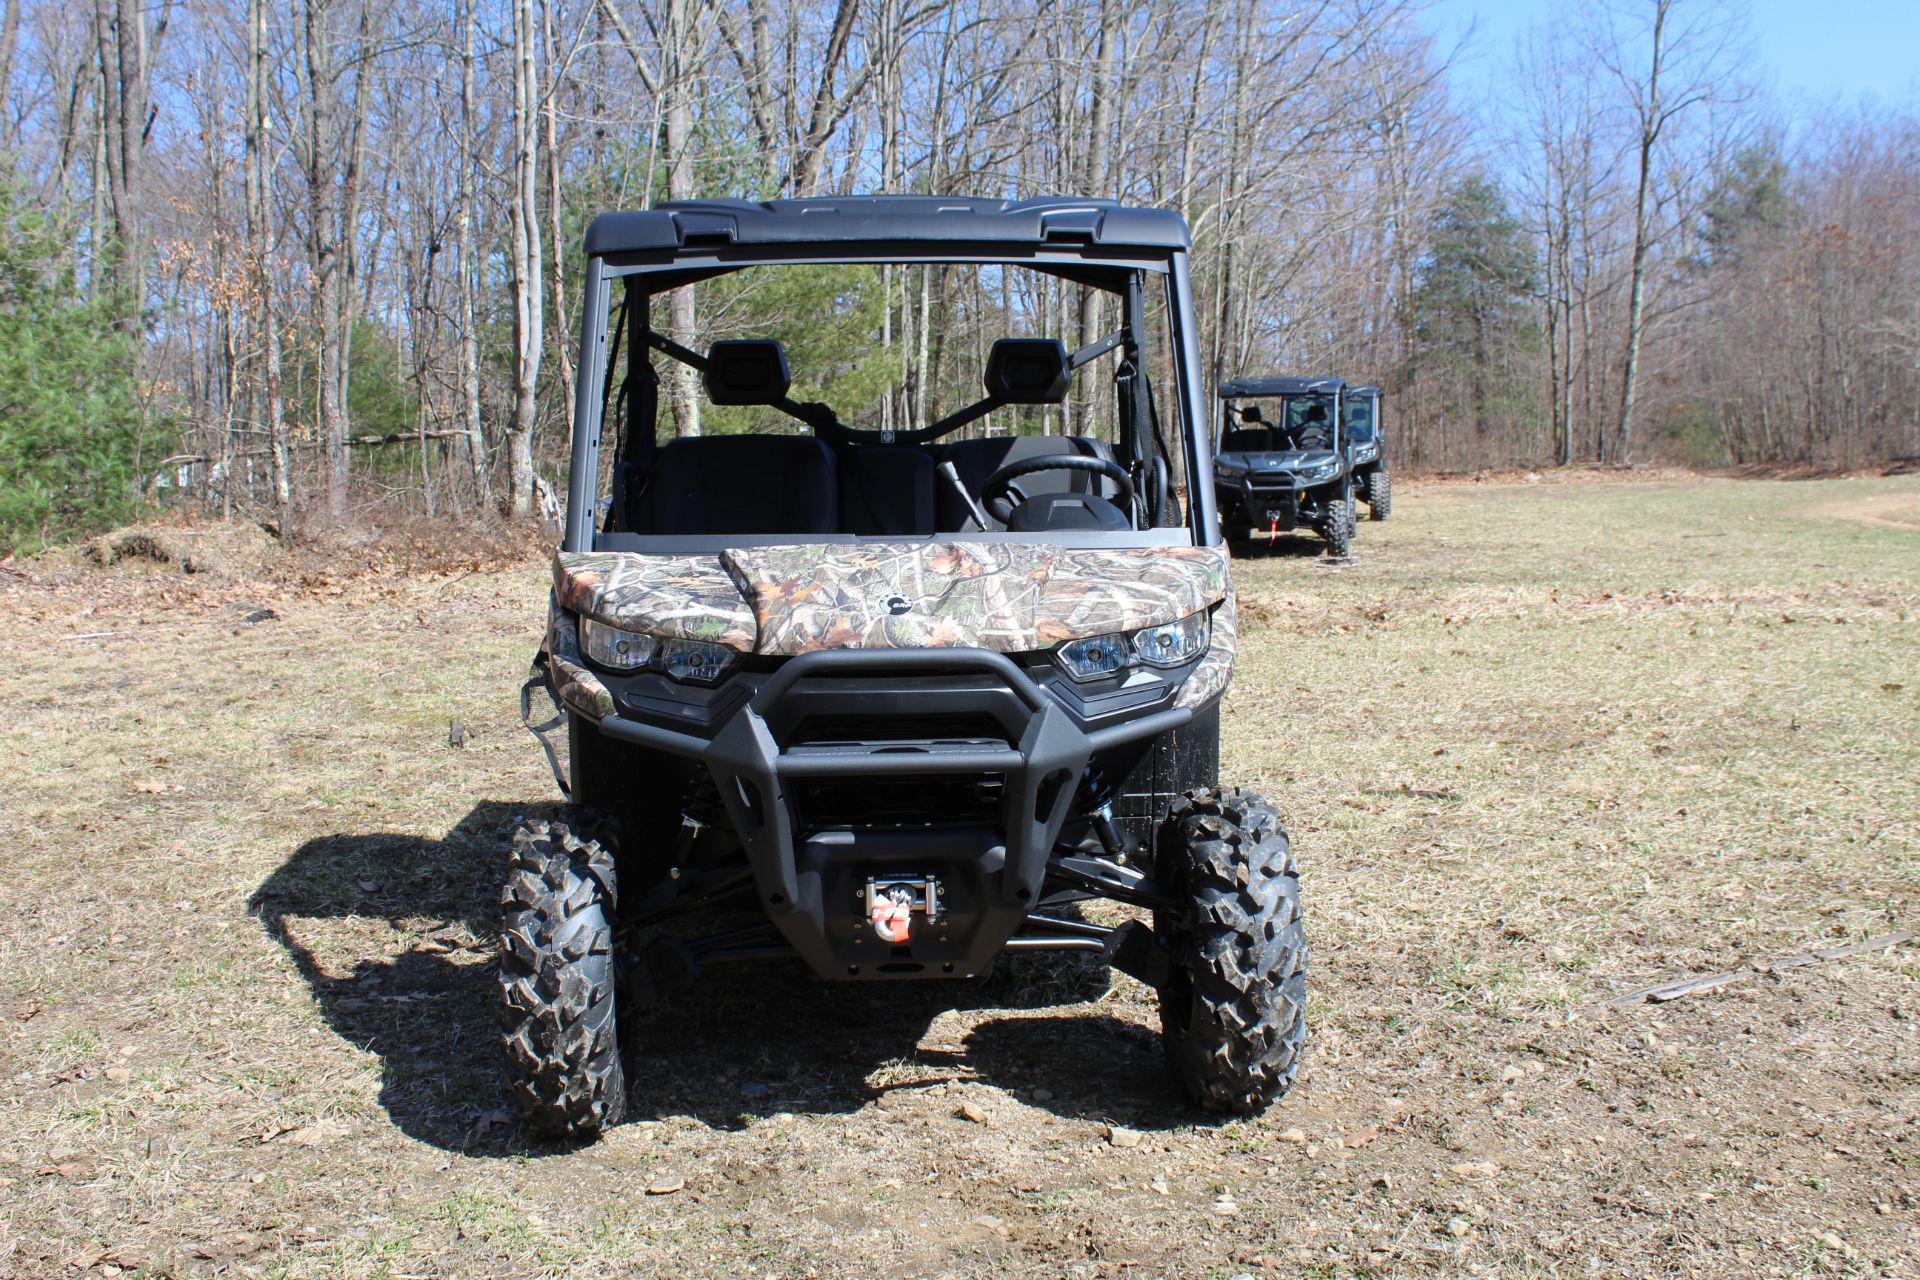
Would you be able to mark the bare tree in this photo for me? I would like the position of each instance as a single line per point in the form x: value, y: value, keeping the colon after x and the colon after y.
x: 524, y: 206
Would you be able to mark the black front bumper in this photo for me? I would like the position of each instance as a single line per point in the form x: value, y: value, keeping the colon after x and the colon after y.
x: 976, y: 804
x: 1274, y: 500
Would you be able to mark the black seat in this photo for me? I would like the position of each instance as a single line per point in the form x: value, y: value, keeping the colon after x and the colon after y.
x: 744, y: 484
x: 1245, y: 440
x: 887, y: 492
x: 977, y: 460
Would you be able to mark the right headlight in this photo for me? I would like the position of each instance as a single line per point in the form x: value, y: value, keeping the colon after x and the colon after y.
x: 1170, y: 644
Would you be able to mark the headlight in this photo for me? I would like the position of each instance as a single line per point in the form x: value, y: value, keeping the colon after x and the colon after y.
x: 613, y: 648
x: 1170, y: 644
x: 1092, y: 658
x: 1320, y: 471
x: 694, y: 660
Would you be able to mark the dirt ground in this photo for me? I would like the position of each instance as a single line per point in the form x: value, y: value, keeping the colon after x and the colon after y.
x: 1539, y: 746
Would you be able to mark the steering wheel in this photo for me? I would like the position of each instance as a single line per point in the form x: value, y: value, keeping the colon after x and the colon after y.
x: 1001, y: 492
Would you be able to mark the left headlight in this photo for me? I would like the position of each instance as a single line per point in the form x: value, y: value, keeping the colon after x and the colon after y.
x: 1320, y: 471
x: 1171, y: 644
x: 694, y: 661
x: 614, y: 648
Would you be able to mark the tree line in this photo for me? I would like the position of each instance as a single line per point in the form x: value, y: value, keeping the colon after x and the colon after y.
x: 305, y: 259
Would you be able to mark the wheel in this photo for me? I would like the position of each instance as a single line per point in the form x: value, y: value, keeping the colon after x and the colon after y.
x: 1233, y: 1012
x: 1380, y: 495
x: 1339, y: 530
x: 557, y: 988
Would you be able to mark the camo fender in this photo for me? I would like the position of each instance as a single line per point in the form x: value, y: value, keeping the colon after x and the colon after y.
x: 1210, y: 679
x: 576, y: 686
x: 676, y: 597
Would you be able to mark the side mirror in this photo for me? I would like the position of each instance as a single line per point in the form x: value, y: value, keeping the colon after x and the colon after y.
x: 747, y: 371
x: 1028, y: 371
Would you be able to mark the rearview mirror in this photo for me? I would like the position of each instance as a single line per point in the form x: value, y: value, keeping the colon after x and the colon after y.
x: 1028, y: 371
x: 747, y: 371
x: 1250, y: 414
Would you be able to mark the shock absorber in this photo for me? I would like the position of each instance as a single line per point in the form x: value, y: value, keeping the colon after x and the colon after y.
x: 1099, y: 793
x: 699, y: 809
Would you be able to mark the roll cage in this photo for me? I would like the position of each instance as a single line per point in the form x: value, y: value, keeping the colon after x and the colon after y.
x: 1099, y: 244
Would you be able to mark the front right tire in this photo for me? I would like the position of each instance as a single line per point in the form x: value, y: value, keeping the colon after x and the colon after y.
x: 557, y: 983
x: 1233, y: 1011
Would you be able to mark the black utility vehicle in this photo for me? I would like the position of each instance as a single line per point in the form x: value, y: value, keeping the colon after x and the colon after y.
x: 903, y: 666
x: 1365, y: 433
x: 1283, y: 461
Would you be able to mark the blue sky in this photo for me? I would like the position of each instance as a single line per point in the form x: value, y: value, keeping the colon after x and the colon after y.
x: 1812, y: 53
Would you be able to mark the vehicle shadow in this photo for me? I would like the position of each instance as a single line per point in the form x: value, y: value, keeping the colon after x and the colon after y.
x: 1296, y: 545
x: 741, y: 1041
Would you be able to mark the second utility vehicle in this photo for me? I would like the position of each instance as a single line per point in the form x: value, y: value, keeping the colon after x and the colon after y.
x: 1288, y: 470
x: 915, y: 649
x: 1365, y: 435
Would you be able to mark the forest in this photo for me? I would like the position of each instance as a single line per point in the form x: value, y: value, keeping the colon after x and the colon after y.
x: 319, y: 259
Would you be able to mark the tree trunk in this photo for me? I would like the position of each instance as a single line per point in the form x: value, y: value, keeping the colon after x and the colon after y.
x: 120, y: 39
x: 266, y: 338
x: 1650, y: 120
x: 324, y: 237
x: 528, y: 317
x: 678, y: 88
x: 467, y: 268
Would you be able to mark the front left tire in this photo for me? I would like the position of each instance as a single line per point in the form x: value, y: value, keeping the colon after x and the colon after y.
x: 1233, y: 1011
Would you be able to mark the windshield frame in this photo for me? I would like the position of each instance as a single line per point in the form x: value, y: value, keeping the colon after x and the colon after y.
x: 1179, y: 412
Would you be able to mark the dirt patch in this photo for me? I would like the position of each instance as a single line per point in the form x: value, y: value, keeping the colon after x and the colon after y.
x: 1887, y: 510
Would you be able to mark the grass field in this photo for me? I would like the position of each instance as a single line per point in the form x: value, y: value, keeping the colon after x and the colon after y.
x: 1543, y: 744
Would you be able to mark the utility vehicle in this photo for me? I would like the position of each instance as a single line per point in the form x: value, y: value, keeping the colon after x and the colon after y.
x: 1285, y: 464
x: 1365, y: 433
x: 902, y: 667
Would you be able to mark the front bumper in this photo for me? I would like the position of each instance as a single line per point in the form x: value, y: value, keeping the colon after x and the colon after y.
x: 1273, y: 499
x: 827, y: 792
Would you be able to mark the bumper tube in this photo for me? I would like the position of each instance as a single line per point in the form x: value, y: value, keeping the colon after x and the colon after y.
x: 812, y: 883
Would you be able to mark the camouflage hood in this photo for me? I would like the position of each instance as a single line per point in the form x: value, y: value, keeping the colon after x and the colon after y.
x: 1008, y: 597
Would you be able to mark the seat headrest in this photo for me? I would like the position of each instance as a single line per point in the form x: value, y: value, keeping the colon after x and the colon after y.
x: 747, y: 371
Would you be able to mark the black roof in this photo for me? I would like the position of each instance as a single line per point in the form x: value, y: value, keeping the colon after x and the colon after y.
x: 1247, y: 388
x: 1363, y: 391
x: 880, y: 219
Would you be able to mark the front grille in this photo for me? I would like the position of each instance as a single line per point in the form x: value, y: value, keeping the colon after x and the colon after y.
x: 865, y: 803
x: 954, y: 726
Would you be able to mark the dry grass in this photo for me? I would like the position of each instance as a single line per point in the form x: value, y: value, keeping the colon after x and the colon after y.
x: 1542, y: 744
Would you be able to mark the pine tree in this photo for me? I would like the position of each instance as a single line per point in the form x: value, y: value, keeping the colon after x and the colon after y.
x: 73, y: 431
